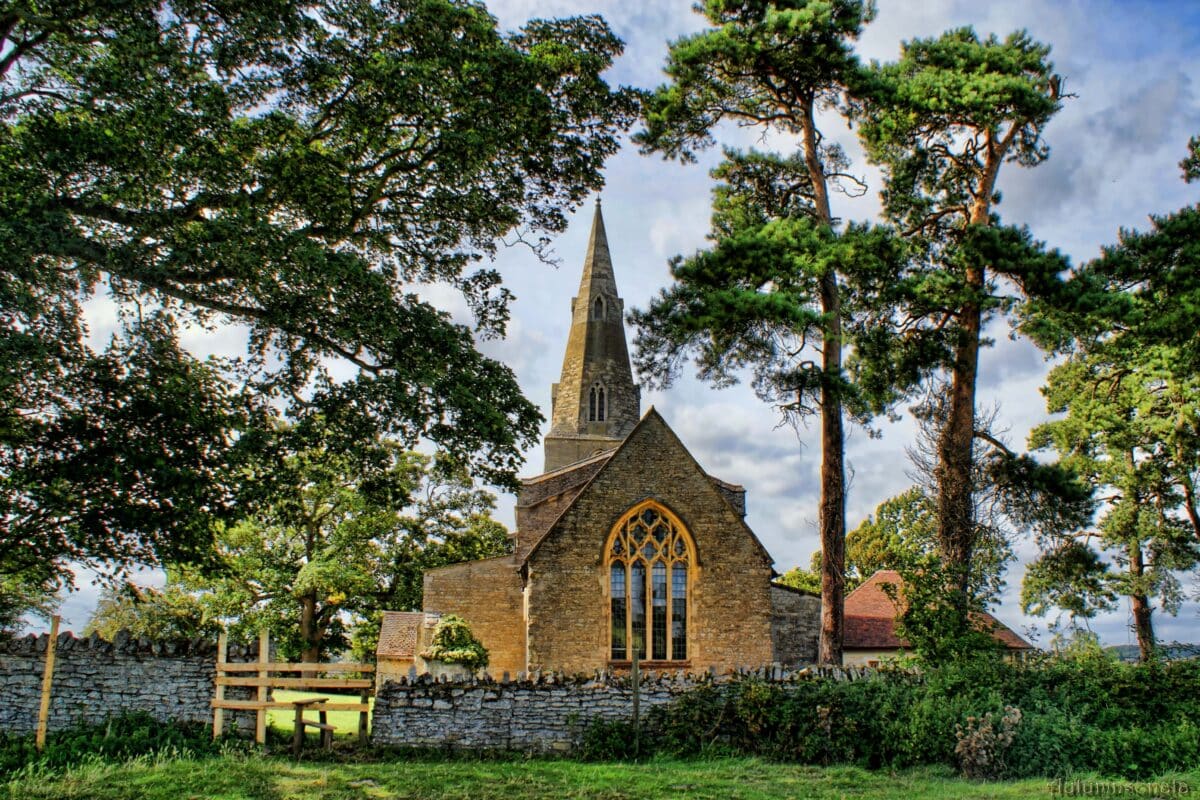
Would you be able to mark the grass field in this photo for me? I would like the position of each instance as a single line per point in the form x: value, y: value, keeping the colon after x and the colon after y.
x: 283, y: 719
x: 251, y: 777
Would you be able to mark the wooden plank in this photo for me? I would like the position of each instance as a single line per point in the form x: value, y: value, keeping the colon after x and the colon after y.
x: 47, y: 683
x: 296, y: 683
x: 283, y: 666
x: 253, y: 705
x: 219, y: 696
x: 264, y: 657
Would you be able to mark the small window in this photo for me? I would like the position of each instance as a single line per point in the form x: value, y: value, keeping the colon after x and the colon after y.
x: 597, y: 405
x: 598, y: 309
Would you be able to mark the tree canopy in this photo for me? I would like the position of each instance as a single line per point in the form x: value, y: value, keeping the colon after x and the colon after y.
x: 297, y: 170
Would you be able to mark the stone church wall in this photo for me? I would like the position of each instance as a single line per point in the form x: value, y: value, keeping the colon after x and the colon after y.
x: 730, y: 622
x: 795, y: 626
x: 542, y: 713
x: 95, y: 679
x: 489, y: 596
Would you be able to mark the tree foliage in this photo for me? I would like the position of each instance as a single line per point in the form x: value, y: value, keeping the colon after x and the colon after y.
x: 941, y: 121
x: 167, y: 614
x: 328, y: 539
x: 299, y: 170
x: 1131, y: 429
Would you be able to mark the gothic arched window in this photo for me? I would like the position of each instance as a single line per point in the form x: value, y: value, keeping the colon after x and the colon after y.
x: 647, y: 557
x: 598, y: 309
x: 597, y: 405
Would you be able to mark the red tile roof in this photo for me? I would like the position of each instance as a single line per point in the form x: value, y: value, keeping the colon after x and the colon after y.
x: 871, y: 617
x: 398, y: 634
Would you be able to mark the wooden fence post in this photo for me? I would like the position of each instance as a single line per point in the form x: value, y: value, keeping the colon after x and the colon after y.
x: 47, y: 682
x: 636, y: 679
x: 365, y: 696
x: 219, y: 696
x: 264, y: 651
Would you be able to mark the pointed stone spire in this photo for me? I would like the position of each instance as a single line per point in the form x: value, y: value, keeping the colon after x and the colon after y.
x: 595, y: 402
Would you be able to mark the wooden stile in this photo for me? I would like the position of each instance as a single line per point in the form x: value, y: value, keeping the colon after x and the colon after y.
x: 47, y: 684
x: 259, y: 675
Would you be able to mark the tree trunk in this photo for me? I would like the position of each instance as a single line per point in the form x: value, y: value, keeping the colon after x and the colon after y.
x: 954, y: 471
x: 1142, y: 624
x: 833, y: 484
x: 955, y: 504
x: 309, y: 634
x: 832, y: 518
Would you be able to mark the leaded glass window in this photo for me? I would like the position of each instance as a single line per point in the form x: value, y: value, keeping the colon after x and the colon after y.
x: 617, y: 593
x: 648, y: 556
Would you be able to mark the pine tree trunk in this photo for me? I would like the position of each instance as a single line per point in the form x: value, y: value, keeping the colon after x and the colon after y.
x: 832, y: 520
x: 955, y: 505
x: 1143, y: 626
x: 833, y: 487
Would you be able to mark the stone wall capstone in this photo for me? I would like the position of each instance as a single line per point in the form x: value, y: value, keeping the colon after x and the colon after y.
x: 95, y: 679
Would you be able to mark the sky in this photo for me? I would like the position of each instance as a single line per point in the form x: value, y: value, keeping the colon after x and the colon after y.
x: 1114, y: 155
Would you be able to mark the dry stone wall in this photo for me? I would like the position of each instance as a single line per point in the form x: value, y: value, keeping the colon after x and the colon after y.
x: 535, y: 713
x: 95, y: 679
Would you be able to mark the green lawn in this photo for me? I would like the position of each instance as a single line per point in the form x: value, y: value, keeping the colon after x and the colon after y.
x: 277, y: 778
x: 283, y: 719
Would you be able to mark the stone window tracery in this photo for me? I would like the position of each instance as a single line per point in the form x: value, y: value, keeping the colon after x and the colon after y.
x: 647, y: 558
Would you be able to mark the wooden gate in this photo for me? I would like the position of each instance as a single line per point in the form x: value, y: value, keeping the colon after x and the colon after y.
x: 264, y: 675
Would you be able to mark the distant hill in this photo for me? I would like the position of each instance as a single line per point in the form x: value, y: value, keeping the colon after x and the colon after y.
x: 1172, y: 650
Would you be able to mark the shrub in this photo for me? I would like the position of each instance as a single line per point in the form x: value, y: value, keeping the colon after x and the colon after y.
x: 454, y: 643
x: 983, y: 743
x: 117, y: 739
x: 1050, y: 717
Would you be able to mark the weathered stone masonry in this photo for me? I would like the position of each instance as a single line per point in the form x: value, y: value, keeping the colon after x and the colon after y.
x: 95, y: 679
x: 544, y: 713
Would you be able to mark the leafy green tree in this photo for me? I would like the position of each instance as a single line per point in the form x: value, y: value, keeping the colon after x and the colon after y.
x: 123, y: 459
x: 902, y: 530
x: 170, y: 613
x: 768, y: 295
x: 296, y: 168
x: 941, y: 122
x: 330, y: 537
x: 1130, y: 428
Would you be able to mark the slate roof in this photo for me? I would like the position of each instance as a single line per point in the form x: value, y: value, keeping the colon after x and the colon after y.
x: 398, y: 635
x: 871, y: 617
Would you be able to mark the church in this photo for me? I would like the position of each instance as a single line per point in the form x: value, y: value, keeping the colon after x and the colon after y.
x: 624, y: 546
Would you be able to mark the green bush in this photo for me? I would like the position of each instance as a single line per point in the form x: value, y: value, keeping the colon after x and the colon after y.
x: 1068, y: 715
x: 454, y: 643
x: 118, y: 739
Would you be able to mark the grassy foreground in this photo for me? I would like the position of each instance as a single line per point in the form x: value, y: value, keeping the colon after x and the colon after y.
x: 242, y: 777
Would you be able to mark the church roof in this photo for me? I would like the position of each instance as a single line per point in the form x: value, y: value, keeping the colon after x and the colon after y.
x: 870, y: 622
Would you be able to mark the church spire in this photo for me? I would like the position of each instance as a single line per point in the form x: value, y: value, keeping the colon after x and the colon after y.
x: 595, y: 402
